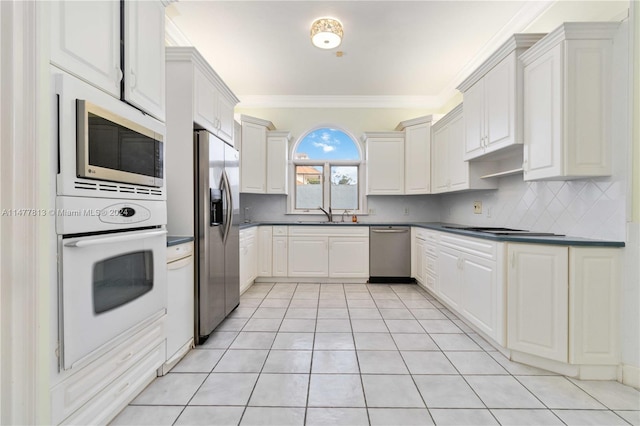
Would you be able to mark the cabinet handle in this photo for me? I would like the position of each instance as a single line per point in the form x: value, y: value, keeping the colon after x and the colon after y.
x: 125, y: 358
x: 513, y: 260
x: 119, y: 76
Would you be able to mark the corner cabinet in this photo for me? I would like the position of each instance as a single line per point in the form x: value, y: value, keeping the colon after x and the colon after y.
x: 493, y: 100
x: 450, y: 172
x: 567, y: 102
x: 385, y: 162
x: 562, y: 303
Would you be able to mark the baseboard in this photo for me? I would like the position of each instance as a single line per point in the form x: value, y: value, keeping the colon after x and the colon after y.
x: 631, y: 375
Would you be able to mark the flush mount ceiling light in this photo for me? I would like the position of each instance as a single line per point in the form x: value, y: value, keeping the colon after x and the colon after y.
x: 326, y: 33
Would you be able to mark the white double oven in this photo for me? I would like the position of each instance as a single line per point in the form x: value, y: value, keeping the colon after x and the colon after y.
x: 110, y: 220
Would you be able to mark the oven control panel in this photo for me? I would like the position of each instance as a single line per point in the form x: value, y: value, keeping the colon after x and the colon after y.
x: 124, y: 213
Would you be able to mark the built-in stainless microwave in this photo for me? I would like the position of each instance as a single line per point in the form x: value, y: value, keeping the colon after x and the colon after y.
x: 113, y: 148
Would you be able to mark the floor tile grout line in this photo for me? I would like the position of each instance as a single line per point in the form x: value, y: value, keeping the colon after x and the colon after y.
x: 355, y: 351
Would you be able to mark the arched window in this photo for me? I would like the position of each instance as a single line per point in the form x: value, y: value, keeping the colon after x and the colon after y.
x: 326, y: 170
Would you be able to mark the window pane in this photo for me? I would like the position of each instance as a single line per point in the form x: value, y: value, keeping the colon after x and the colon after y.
x: 344, y: 187
x: 327, y: 144
x: 308, y: 187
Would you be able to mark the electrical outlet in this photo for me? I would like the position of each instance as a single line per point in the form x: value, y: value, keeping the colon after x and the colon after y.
x: 489, y: 212
x: 477, y: 207
x: 406, y: 211
x: 372, y: 212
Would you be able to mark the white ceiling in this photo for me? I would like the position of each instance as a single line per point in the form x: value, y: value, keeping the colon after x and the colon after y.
x: 396, y: 53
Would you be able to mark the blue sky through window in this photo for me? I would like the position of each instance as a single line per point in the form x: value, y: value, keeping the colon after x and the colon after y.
x: 327, y: 144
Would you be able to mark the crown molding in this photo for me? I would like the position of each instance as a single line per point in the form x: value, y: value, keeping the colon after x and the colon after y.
x: 527, y: 15
x: 341, y: 101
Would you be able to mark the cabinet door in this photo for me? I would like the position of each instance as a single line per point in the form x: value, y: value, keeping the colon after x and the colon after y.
x: 478, y: 293
x: 265, y: 251
x: 349, y: 257
x: 474, y: 121
x: 417, y: 162
x: 538, y: 300
x: 543, y: 116
x: 308, y: 256
x: 385, y: 166
x: 204, y: 102
x: 144, y: 63
x: 225, y: 122
x: 419, y: 260
x: 280, y: 254
x: 499, y: 105
x: 252, y: 158
x: 439, y: 177
x: 85, y: 41
x: 449, y: 264
x: 277, y: 165
x: 457, y: 168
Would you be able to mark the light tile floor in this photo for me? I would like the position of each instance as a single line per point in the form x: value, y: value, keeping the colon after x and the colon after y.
x: 363, y: 354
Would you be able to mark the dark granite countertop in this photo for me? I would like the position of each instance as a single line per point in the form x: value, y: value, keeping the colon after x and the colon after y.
x: 175, y: 240
x: 439, y: 226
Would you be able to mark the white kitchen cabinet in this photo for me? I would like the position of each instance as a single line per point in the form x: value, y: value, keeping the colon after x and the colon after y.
x: 85, y: 41
x: 493, y: 100
x: 308, y: 256
x: 265, y: 251
x: 567, y: 102
x: 253, y: 155
x: 213, y: 103
x: 594, y: 274
x: 385, y: 163
x: 424, y: 257
x: 248, y: 257
x: 538, y: 300
x: 277, y: 161
x: 349, y: 257
x: 417, y: 154
x: 449, y: 170
x: 469, y: 280
x: 418, y: 257
x: 144, y: 56
x: 280, y: 252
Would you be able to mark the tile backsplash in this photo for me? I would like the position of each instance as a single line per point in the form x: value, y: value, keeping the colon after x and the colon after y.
x: 584, y: 208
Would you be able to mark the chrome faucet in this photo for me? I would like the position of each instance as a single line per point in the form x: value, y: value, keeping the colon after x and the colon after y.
x: 328, y: 213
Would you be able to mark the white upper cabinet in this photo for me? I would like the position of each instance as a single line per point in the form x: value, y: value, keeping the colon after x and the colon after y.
x: 144, y: 56
x: 417, y: 154
x: 253, y: 155
x: 213, y: 104
x: 277, y: 161
x: 85, y: 41
x: 493, y: 100
x: 567, y: 102
x: 449, y: 170
x: 385, y: 163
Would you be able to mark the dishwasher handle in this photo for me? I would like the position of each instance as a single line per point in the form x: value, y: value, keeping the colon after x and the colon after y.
x: 390, y: 231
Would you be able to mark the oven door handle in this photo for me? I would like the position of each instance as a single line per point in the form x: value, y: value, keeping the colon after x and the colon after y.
x: 114, y: 239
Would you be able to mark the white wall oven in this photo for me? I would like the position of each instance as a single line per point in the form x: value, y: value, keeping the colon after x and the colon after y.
x: 110, y: 221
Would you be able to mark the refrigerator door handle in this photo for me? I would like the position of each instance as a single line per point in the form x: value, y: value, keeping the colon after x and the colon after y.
x: 227, y: 193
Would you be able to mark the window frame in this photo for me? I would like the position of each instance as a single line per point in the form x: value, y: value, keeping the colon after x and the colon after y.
x: 326, y: 175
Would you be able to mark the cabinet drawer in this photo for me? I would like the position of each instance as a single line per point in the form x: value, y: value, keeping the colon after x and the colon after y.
x: 430, y: 282
x: 431, y: 265
x: 106, y: 405
x: 280, y: 230
x: 476, y: 246
x: 430, y: 249
x: 75, y: 391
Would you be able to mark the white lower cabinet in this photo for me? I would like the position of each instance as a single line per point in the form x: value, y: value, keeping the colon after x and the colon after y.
x: 98, y: 391
x: 424, y: 257
x: 280, y: 253
x: 537, y: 300
x: 248, y: 257
x: 348, y: 257
x: 265, y: 251
x: 470, y: 282
x: 563, y: 303
x: 308, y: 256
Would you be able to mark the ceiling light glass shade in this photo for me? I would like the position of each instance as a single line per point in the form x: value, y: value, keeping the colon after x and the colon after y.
x: 326, y: 33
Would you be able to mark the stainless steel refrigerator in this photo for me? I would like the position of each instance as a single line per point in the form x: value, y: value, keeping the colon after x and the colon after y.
x: 217, y: 235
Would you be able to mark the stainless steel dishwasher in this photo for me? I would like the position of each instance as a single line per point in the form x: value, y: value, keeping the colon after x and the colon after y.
x: 390, y: 254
